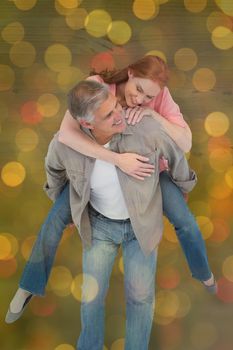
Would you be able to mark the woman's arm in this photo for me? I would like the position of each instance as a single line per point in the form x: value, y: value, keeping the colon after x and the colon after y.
x: 131, y: 163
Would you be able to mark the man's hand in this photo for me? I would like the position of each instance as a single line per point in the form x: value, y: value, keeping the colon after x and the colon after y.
x: 135, y: 115
x: 135, y: 165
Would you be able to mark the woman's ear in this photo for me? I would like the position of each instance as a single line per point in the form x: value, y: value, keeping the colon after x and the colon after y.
x: 130, y: 74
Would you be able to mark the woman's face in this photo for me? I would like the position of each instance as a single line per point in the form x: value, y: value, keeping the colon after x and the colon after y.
x: 140, y: 91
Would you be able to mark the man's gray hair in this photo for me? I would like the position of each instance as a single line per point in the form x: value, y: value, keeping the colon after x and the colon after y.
x: 85, y: 98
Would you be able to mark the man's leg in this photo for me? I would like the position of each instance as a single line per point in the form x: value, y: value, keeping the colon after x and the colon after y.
x: 38, y: 267
x: 97, y: 267
x: 139, y: 271
x: 176, y: 210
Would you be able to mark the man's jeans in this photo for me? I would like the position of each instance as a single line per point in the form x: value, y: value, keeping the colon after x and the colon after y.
x: 139, y: 280
x: 38, y: 267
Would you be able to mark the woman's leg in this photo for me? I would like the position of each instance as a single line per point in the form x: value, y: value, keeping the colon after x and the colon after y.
x: 176, y: 210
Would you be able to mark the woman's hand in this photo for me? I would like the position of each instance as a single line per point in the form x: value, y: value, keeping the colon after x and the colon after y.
x: 134, y: 165
x: 134, y: 115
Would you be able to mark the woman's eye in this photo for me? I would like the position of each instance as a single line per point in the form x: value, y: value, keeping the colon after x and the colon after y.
x: 139, y: 89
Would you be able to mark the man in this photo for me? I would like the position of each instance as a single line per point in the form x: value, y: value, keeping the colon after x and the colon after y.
x: 111, y: 209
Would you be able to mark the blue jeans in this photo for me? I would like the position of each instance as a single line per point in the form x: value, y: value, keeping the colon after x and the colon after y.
x: 139, y: 279
x: 39, y: 265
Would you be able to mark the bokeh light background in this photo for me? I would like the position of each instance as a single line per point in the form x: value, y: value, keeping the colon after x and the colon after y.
x: 45, y: 48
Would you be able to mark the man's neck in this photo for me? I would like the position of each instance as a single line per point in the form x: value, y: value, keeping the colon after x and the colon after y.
x: 101, y: 139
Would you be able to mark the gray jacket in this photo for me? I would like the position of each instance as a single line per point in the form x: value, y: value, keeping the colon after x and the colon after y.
x: 143, y: 198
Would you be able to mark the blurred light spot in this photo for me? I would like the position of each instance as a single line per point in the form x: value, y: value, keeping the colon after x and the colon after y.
x: 158, y: 54
x: 226, y: 6
x: 222, y: 38
x: 13, y: 174
x: 163, y: 321
x: 218, y: 19
x: 25, y: 5
x: 184, y: 304
x: 13, y: 246
x: 89, y: 290
x: 206, y: 226
x: 216, y: 124
x: 177, y: 79
x: 162, y: 1
x: 60, y: 281
x: 204, y: 79
x: 13, y: 32
x: 103, y: 61
x: 43, y: 307
x: 200, y: 208
x: 7, y: 77
x: 169, y: 232
x: 185, y: 59
x: 76, y: 19
x: 70, y: 4
x: 22, y: 54
x: 48, y: 105
x: 30, y: 113
x: 145, y: 9
x: 219, y: 143
x: 220, y: 160
x: 64, y: 347
x: 225, y: 290
x: 217, y: 187
x: 57, y: 57
x: 119, y: 32
x: 26, y: 246
x: 118, y: 344
x: 5, y: 247
x: 26, y: 139
x: 227, y: 268
x: 168, y: 278
x: 195, y: 6
x: 229, y: 177
x: 167, y: 304
x: 203, y: 335
x: 121, y: 265
x: 64, y: 11
x: 97, y: 22
x: 221, y: 230
x: 68, y: 77
x: 8, y: 268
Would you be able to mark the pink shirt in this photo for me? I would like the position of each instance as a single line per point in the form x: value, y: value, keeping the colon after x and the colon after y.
x: 163, y: 104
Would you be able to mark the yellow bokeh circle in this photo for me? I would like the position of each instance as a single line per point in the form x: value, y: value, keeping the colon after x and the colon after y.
x: 118, y: 344
x: 216, y: 124
x: 64, y: 347
x: 218, y: 19
x: 76, y: 19
x: 229, y: 177
x: 13, y: 32
x: 26, y: 139
x: 206, y: 226
x: 68, y: 77
x: 97, y: 22
x: 87, y: 292
x: 57, y: 57
x: 158, y: 54
x: 167, y: 303
x: 222, y: 38
x: 185, y: 59
x: 226, y: 6
x: 145, y: 9
x: 204, y: 79
x: 7, y: 77
x: 60, y: 280
x: 13, y: 174
x: 119, y: 32
x: 220, y: 159
x: 48, y: 105
x: 23, y: 54
x: 25, y: 5
x: 217, y: 187
x: 64, y: 11
x: 70, y: 4
x: 5, y: 247
x: 227, y: 268
x: 195, y: 6
x: 184, y: 304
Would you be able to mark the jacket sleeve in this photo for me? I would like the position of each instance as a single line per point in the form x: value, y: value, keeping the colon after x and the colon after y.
x: 55, y: 171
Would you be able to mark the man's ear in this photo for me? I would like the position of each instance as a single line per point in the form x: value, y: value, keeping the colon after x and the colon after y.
x: 85, y: 124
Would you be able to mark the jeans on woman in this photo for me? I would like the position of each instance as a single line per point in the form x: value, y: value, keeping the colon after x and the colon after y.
x: 38, y: 267
x: 139, y: 280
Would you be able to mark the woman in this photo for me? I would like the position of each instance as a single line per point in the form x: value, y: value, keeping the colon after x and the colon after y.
x: 141, y: 90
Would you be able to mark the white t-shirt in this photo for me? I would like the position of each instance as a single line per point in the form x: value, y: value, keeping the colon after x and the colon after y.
x: 106, y: 194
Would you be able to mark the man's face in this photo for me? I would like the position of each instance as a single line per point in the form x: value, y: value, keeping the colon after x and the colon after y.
x: 109, y: 118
